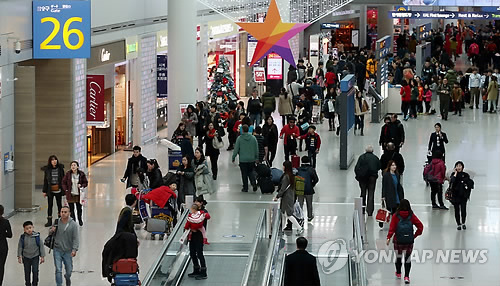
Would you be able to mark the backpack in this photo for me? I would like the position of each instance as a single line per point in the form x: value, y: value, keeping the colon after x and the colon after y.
x: 404, y: 230
x: 37, y: 239
x: 429, y: 174
x: 300, y: 185
x: 361, y: 170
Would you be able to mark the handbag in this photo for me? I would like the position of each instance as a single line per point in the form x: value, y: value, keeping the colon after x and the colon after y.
x: 217, y: 143
x: 51, y: 238
x: 304, y: 126
x: 448, y: 195
x: 383, y: 214
x: 184, y: 237
x: 54, y: 188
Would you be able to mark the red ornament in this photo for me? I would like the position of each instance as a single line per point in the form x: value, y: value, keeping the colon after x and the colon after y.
x: 225, y: 81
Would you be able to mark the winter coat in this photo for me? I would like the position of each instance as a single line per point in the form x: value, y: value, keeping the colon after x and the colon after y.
x: 287, y: 133
x: 247, y: 148
x: 461, y: 187
x: 435, y: 144
x: 286, y: 192
x: 254, y: 105
x: 186, y: 183
x: 492, y: 90
x: 67, y: 185
x: 308, y: 137
x: 360, y: 106
x: 310, y: 178
x: 159, y: 196
x: 385, y: 134
x: 438, y: 170
x: 457, y: 94
x: 444, y: 91
x: 404, y: 214
x: 389, y: 190
x: 133, y: 164
x: 270, y: 133
x: 260, y: 142
x: 121, y: 245
x: 191, y: 120
x: 177, y: 137
x: 268, y: 102
x: 405, y: 93
x: 370, y: 162
x: 285, y: 105
x: 203, y: 178
x: 451, y: 76
x: 208, y: 139
x: 155, y: 178
x: 215, y: 119
x: 187, y: 148
x: 397, y: 133
x: 47, y: 177
x: 396, y: 157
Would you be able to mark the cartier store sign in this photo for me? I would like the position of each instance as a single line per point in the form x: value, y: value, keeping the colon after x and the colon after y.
x: 106, y: 54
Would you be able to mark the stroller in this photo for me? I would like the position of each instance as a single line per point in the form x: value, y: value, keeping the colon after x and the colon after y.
x: 158, y: 220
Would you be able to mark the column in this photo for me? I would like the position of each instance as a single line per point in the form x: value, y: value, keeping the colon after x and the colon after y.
x: 182, y: 73
x: 362, y: 26
x: 384, y: 24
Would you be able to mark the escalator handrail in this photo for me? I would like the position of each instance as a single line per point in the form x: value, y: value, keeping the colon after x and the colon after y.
x: 253, y: 249
x: 152, y: 271
x: 272, y: 246
x: 362, y: 279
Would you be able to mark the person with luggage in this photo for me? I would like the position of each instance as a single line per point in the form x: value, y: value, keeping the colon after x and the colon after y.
x: 301, y: 267
x: 203, y: 180
x: 366, y: 171
x: 5, y: 232
x: 437, y: 141
x: 257, y: 133
x: 52, y: 186
x: 72, y: 184
x: 30, y: 253
x: 210, y: 150
x: 313, y: 142
x: 195, y: 222
x: 290, y: 133
x: 196, y: 242
x: 308, y: 175
x: 436, y: 175
x: 119, y: 259
x: 248, y: 150
x: 403, y: 236
x: 134, y: 163
x: 461, y: 186
x: 125, y: 222
x: 392, y: 190
x: 254, y: 107
x: 270, y: 133
x: 154, y: 175
x: 66, y: 242
x: 360, y: 109
x: 286, y: 193
x: 185, y: 173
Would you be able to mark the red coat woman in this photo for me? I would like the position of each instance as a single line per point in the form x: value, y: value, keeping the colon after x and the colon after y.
x: 459, y: 42
x: 72, y: 184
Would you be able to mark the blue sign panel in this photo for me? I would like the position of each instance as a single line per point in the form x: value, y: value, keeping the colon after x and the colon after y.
x: 383, y: 47
x: 424, y: 31
x: 330, y: 25
x: 461, y: 3
x: 61, y: 29
x: 161, y: 76
x: 444, y: 15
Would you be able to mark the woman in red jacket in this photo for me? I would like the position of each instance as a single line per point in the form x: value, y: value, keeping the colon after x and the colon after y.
x: 439, y: 173
x: 72, y: 184
x: 401, y: 228
x: 405, y: 99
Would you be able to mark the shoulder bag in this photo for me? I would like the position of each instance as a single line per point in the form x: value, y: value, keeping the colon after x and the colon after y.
x: 217, y: 142
x: 49, y: 241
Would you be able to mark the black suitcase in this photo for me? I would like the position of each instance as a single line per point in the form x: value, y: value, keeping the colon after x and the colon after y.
x: 485, y: 106
x: 169, y: 179
x: 266, y: 185
x: 263, y: 170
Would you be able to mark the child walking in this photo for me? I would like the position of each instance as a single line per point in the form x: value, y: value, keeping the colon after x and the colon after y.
x: 195, y: 222
x: 30, y: 252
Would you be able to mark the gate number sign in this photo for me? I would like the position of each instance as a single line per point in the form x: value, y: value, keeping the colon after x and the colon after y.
x: 61, y: 29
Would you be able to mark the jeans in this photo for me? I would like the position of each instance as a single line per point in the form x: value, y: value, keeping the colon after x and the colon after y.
x: 61, y: 257
x: 436, y: 189
x: 31, y: 265
x: 367, y: 187
x: 196, y: 250
x: 460, y: 208
x: 50, y: 198
x: 309, y: 204
x: 255, y: 118
x: 359, y: 122
x: 78, y: 209
x: 312, y: 157
x: 246, y: 169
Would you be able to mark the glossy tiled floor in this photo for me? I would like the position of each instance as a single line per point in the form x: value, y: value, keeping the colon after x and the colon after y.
x: 474, y: 139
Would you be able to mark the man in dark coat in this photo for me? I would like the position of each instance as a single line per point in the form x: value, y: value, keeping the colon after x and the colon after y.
x: 391, y: 154
x: 385, y: 133
x: 397, y: 132
x: 136, y: 162
x: 121, y: 245
x: 125, y: 222
x: 300, y: 267
x: 366, y: 171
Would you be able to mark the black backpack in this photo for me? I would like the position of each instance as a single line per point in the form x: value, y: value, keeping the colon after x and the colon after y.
x: 404, y: 230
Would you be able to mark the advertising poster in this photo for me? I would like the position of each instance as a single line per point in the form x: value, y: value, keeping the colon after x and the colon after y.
x: 251, y: 46
x: 274, y: 66
x: 161, y: 76
x: 259, y: 74
x: 95, y: 99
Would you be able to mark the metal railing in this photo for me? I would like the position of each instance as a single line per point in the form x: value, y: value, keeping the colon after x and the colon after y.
x: 273, y: 247
x: 260, y: 232
x: 358, y: 271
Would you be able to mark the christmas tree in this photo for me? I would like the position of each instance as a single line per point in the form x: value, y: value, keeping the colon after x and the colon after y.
x: 222, y: 91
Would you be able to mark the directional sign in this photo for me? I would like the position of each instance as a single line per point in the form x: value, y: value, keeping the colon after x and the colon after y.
x: 330, y: 25
x: 443, y: 15
x: 424, y: 31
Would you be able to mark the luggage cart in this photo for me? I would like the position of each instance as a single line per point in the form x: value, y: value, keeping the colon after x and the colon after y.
x: 158, y: 220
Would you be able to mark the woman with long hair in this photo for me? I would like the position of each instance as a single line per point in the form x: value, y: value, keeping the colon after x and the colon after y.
x: 185, y: 173
x: 461, y: 186
x: 72, y: 184
x: 190, y: 119
x: 270, y: 133
x: 285, y: 105
x: 5, y: 232
x: 178, y: 136
x: 401, y: 228
x: 202, y: 176
x: 52, y: 186
x: 210, y: 135
x: 392, y: 191
x: 154, y: 174
x: 287, y: 194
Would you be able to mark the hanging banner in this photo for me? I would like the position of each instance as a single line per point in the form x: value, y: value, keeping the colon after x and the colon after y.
x: 95, y: 99
x: 251, y: 46
x: 259, y: 74
x: 274, y: 66
x: 161, y: 76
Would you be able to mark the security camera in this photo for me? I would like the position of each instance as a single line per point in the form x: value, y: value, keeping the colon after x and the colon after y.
x: 18, y: 47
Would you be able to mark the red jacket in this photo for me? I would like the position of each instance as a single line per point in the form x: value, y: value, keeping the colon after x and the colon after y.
x: 308, y: 136
x: 159, y: 195
x: 236, y: 126
x: 404, y: 214
x: 331, y: 78
x: 195, y: 221
x: 438, y: 170
x: 67, y: 183
x: 287, y: 131
x: 405, y: 93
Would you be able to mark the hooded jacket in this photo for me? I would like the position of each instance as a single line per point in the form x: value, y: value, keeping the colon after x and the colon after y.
x: 247, y: 147
x: 438, y: 170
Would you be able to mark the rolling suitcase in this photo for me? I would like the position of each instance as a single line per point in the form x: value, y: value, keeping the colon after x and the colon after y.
x: 156, y: 225
x: 295, y: 161
x: 125, y: 266
x: 126, y: 279
x: 263, y: 170
x: 266, y: 185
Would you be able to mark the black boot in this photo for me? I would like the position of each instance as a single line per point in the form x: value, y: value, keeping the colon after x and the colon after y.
x: 203, y: 274
x: 196, y: 272
x: 49, y: 221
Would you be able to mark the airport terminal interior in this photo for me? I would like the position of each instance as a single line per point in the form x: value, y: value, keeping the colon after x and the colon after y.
x: 93, y: 83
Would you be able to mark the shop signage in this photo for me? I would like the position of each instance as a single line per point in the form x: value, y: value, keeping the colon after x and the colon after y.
x: 221, y: 29
x: 198, y: 33
x: 161, y: 41
x: 330, y: 25
x: 251, y: 46
x: 161, y: 76
x: 105, y: 54
x: 341, y: 13
x: 459, y: 3
x: 132, y: 47
x: 61, y: 29
x: 424, y: 31
x: 274, y: 66
x: 383, y: 47
x: 444, y: 15
x: 402, y: 8
x: 355, y: 38
x: 259, y: 74
x: 95, y: 99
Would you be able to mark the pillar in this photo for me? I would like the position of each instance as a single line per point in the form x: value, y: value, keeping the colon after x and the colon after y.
x: 362, y: 26
x: 385, y: 25
x: 182, y: 73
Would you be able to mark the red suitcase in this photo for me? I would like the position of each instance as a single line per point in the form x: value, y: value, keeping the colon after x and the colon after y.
x: 125, y: 266
x: 295, y: 161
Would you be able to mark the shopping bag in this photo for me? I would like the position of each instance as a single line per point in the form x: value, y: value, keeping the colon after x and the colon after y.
x: 83, y: 197
x: 336, y: 121
x: 297, y: 211
x: 184, y: 237
x: 65, y: 201
x: 383, y: 214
